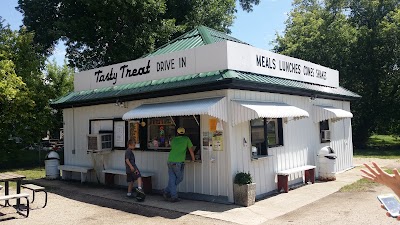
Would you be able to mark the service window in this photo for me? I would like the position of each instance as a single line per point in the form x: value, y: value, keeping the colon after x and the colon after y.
x: 325, y: 133
x: 160, y: 132
x: 265, y: 133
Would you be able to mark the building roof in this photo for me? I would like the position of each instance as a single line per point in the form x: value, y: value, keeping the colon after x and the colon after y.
x: 217, y: 80
x: 197, y: 37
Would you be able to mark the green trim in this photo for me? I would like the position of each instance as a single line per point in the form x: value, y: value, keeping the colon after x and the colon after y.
x: 205, y: 34
x: 217, y: 80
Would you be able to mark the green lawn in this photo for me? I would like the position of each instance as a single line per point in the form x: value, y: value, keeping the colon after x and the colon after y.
x: 30, y: 173
x: 358, y: 186
x: 384, y: 140
x: 362, y: 185
x: 380, y: 146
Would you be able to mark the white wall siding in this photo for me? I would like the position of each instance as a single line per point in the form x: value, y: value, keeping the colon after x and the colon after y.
x: 208, y: 177
x: 301, y: 142
x: 214, y: 175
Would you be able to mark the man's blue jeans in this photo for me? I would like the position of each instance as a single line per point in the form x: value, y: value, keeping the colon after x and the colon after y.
x: 175, y: 174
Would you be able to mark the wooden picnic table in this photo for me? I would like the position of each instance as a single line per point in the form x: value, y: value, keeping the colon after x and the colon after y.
x: 13, y: 177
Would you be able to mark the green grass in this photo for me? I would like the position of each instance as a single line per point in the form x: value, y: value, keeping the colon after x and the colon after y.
x: 377, y: 153
x: 383, y: 140
x: 380, y: 146
x: 362, y: 185
x: 359, y: 186
x: 30, y: 173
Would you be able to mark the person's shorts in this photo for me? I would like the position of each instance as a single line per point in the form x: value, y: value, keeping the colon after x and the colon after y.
x: 132, y: 176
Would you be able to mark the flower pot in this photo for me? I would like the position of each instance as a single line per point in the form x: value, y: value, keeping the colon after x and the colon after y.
x: 244, y: 194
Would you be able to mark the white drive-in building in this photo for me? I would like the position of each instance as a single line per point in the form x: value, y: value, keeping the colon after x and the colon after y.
x: 245, y: 109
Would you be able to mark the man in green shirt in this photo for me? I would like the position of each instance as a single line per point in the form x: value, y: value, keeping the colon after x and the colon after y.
x: 176, y: 163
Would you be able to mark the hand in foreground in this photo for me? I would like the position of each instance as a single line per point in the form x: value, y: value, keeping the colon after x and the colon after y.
x: 380, y: 176
x: 388, y: 214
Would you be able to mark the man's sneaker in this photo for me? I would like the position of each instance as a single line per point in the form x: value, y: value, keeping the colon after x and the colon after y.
x: 174, y: 199
x: 166, y: 196
x: 129, y: 195
x: 140, y: 191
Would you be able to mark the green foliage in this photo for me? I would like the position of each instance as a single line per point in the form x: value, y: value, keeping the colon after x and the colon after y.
x: 21, y: 159
x: 383, y: 141
x: 59, y: 81
x: 361, y: 39
x: 380, y: 146
x: 243, y: 178
x: 99, y: 33
x: 22, y: 90
x: 25, y: 114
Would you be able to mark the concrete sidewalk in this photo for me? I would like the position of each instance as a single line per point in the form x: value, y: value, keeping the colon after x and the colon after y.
x: 260, y: 212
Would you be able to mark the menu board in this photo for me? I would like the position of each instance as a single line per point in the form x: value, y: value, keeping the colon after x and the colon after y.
x: 119, y: 134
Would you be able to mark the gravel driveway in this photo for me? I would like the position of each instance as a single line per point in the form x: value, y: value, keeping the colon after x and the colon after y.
x: 344, y: 208
x: 63, y: 209
x: 67, y: 206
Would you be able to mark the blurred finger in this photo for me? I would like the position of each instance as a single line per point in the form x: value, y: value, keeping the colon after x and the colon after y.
x: 367, y: 173
x: 396, y: 172
x: 371, y: 170
x: 377, y: 168
x: 388, y: 214
x: 383, y: 207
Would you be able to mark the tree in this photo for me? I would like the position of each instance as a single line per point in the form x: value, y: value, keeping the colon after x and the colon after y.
x: 60, y: 81
x: 361, y: 40
x: 99, y: 33
x: 24, y: 106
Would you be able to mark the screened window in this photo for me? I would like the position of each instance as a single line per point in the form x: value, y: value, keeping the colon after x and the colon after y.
x: 265, y: 133
x: 325, y: 133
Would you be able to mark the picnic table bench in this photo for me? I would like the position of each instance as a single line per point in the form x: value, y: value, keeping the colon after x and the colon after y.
x: 283, y: 176
x: 68, y: 169
x: 146, y: 178
x: 17, y: 197
x: 35, y: 188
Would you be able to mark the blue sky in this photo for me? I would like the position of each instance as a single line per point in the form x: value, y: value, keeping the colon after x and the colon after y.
x: 257, y: 28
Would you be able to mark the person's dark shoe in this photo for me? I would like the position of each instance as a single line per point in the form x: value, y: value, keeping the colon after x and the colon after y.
x: 166, y: 196
x: 129, y: 195
x: 174, y: 199
x: 140, y: 191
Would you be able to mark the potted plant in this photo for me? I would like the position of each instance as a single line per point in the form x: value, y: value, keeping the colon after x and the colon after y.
x: 244, y: 190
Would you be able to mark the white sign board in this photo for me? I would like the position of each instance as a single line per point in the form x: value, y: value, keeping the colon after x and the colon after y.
x: 192, y: 61
x: 217, y: 56
x: 119, y: 133
x: 249, y: 59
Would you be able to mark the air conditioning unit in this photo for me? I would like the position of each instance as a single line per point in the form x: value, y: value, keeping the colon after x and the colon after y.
x: 325, y: 135
x: 100, y: 142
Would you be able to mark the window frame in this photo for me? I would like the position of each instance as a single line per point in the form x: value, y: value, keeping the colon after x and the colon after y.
x: 322, y: 127
x: 144, y: 134
x: 264, y: 146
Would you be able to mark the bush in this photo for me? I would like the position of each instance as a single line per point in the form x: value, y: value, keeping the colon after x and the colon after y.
x: 243, y: 178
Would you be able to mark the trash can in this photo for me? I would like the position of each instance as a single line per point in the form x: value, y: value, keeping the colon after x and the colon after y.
x: 51, y: 163
x: 327, y: 161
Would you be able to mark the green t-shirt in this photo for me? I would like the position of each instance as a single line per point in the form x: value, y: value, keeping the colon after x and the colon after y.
x: 179, y: 145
